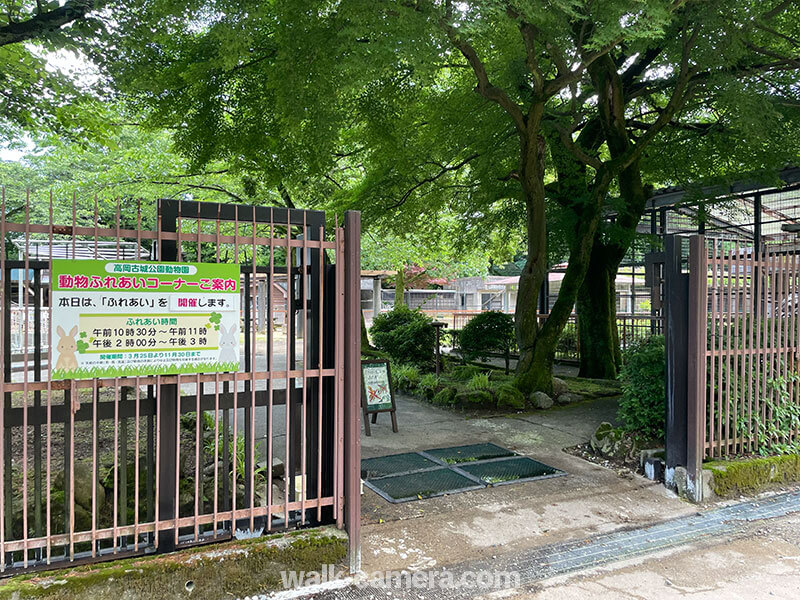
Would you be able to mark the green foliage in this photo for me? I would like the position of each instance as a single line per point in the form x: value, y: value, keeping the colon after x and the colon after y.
x: 480, y: 381
x: 405, y: 377
x: 406, y: 335
x: 445, y: 397
x: 509, y: 396
x: 464, y: 372
x: 775, y: 434
x: 642, y: 407
x: 427, y: 385
x: 491, y: 331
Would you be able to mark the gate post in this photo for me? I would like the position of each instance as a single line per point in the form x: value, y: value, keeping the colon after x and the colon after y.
x: 696, y: 397
x: 686, y: 305
x: 676, y: 306
x: 352, y: 385
x: 167, y: 406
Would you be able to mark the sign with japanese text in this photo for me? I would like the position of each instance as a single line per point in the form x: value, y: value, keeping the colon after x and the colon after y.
x: 377, y: 388
x: 128, y: 318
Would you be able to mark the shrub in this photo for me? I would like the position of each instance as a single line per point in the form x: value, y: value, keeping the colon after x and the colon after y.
x: 643, y: 406
x: 445, y: 397
x: 479, y: 381
x: 427, y: 386
x: 464, y: 372
x: 405, y: 377
x: 406, y: 335
x: 487, y: 332
x: 510, y: 397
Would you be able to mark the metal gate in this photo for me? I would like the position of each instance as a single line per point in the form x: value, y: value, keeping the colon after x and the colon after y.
x: 732, y: 350
x: 105, y: 467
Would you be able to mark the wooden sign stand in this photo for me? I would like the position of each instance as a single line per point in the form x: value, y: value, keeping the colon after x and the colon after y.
x: 377, y: 393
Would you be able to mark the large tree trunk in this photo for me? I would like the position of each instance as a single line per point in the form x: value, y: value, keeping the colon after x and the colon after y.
x: 600, y: 355
x: 597, y: 324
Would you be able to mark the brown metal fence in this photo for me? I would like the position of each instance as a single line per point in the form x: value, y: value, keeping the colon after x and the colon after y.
x: 111, y: 466
x: 632, y: 328
x: 747, y: 345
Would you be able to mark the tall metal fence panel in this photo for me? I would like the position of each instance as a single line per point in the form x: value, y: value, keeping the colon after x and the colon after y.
x: 752, y: 390
x: 116, y: 465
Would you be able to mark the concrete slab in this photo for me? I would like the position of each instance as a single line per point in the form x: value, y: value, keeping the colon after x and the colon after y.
x: 482, y: 523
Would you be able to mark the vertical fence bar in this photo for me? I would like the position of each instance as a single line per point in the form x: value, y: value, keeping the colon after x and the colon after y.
x: 696, y: 367
x: 270, y: 365
x: 23, y: 284
x: 352, y: 382
x: 3, y: 332
x: 320, y: 364
x: 252, y: 421
x: 729, y: 339
x: 303, y: 281
x: 216, y: 405
x: 49, y: 433
x: 290, y: 331
x: 198, y: 436
x: 339, y: 383
x: 714, y: 357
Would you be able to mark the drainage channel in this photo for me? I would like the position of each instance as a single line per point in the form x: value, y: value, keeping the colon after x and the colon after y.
x: 524, y: 569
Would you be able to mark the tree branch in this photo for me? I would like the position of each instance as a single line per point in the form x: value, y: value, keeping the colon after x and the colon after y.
x: 485, y: 87
x: 44, y: 22
x: 431, y: 179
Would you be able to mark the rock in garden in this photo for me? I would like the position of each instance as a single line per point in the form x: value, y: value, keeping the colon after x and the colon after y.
x: 568, y: 398
x: 559, y: 387
x: 510, y: 397
x: 83, y: 486
x: 541, y: 400
x: 610, y: 442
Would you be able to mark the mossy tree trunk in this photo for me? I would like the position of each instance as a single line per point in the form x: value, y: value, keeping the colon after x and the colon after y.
x: 600, y: 354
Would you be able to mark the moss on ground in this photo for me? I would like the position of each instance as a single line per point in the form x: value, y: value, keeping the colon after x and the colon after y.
x: 753, y: 475
x: 593, y: 388
x: 231, y: 569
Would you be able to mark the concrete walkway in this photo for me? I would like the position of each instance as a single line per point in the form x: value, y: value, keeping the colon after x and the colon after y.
x: 448, y: 530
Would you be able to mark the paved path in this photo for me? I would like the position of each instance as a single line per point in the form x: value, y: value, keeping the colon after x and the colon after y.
x: 747, y: 550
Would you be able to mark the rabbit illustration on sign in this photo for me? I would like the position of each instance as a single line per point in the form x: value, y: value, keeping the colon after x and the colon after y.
x: 67, y: 360
x: 228, y: 342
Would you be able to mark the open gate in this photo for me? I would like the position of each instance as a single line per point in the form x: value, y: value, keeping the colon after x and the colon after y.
x: 112, y: 466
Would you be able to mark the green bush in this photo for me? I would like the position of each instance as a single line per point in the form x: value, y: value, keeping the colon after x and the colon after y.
x: 485, y: 333
x: 464, y: 372
x: 510, y: 397
x: 406, y: 335
x: 643, y: 407
x: 445, y: 397
x: 479, y: 381
x: 405, y: 377
x: 427, y: 386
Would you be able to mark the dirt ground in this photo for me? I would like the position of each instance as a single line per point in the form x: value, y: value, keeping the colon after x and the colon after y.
x: 441, y: 531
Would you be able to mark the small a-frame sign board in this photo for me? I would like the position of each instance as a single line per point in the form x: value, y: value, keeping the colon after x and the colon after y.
x: 377, y: 394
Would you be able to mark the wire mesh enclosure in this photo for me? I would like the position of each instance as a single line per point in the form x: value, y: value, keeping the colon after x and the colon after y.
x: 130, y: 464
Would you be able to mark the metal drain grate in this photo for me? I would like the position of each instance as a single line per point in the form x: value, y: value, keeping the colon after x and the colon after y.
x: 509, y: 470
x: 422, y: 484
x: 462, y: 454
x: 382, y: 466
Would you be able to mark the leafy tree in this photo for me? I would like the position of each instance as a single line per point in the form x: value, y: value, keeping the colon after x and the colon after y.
x: 487, y: 332
x: 406, y: 335
x: 712, y: 98
x: 373, y: 106
x: 34, y: 95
